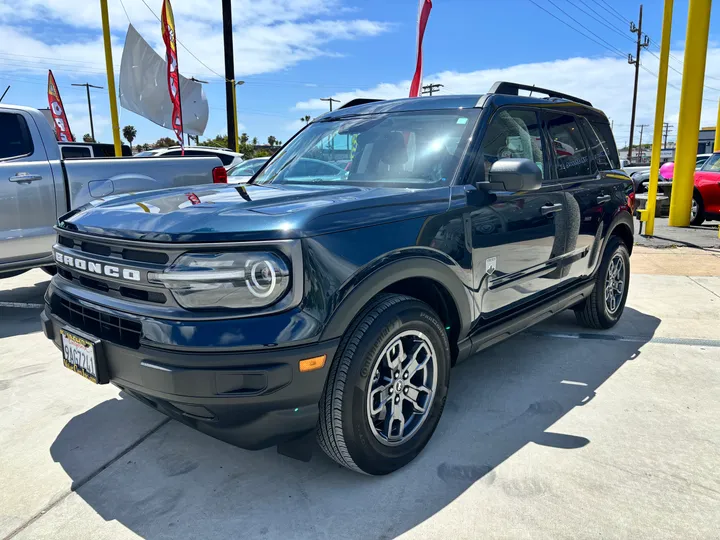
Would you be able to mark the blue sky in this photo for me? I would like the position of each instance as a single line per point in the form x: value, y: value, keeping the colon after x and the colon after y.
x: 291, y: 52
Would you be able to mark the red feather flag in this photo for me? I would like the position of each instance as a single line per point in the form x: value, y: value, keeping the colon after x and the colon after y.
x: 168, y: 33
x: 62, y: 127
x: 423, y: 16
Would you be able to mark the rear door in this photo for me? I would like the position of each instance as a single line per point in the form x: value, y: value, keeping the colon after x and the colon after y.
x: 514, y: 248
x: 27, y: 191
x: 586, y: 191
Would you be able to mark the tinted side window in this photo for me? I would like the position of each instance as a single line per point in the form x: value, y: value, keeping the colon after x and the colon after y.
x: 597, y: 148
x: 75, y: 152
x: 171, y: 153
x: 226, y: 159
x: 604, y: 132
x: 572, y: 157
x: 512, y: 134
x: 15, y: 139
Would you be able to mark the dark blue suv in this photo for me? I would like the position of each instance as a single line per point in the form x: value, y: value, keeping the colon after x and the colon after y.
x: 383, y: 244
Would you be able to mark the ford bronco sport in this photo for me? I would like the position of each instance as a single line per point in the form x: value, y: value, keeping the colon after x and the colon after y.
x: 383, y: 244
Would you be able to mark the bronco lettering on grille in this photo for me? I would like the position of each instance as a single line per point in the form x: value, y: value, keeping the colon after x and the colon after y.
x: 98, y: 268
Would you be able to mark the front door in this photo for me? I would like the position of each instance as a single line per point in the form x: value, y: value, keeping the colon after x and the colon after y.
x: 27, y: 191
x: 514, y: 246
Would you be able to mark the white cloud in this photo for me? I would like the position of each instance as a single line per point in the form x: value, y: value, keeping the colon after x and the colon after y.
x: 269, y: 35
x: 606, y: 82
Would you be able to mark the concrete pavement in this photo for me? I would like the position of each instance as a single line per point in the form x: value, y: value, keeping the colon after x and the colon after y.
x: 558, y: 432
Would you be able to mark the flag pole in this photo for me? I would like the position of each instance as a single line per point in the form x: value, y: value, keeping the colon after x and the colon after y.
x: 110, y: 78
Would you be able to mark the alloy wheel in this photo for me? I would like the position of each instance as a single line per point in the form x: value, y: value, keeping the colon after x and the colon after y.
x: 615, y: 283
x: 402, y: 387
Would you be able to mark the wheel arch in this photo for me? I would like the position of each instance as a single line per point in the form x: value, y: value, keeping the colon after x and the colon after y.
x: 423, y: 278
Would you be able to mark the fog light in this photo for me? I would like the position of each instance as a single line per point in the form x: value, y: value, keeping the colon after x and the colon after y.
x: 311, y: 364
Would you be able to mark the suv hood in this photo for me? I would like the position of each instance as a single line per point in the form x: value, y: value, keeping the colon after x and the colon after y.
x: 224, y: 213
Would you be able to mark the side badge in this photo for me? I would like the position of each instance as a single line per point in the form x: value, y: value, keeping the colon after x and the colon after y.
x: 490, y: 265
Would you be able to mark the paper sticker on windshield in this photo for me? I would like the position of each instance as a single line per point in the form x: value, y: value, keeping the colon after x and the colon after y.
x: 462, y: 120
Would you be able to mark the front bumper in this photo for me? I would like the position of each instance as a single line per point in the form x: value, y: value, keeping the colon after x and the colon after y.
x: 249, y: 398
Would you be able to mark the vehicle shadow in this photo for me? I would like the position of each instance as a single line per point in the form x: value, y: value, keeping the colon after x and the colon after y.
x: 181, y: 483
x: 16, y: 320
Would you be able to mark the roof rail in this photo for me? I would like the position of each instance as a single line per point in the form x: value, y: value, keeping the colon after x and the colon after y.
x: 511, y: 89
x: 359, y: 101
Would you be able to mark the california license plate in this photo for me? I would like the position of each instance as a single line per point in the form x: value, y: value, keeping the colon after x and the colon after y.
x: 79, y: 355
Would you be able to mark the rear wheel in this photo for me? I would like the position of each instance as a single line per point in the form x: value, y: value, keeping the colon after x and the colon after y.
x: 697, y: 210
x: 605, y: 305
x: 387, y: 386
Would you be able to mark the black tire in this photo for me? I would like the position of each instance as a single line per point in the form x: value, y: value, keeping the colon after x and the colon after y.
x: 700, y: 216
x: 344, y: 430
x: 594, y: 311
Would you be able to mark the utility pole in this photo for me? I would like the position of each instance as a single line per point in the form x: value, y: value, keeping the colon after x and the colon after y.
x: 229, y: 73
x: 641, y: 44
x: 5, y: 92
x: 642, y: 127
x: 430, y: 88
x: 330, y: 101
x: 88, y: 86
x: 666, y: 128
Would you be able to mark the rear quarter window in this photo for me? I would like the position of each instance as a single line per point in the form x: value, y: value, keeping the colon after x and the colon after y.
x: 604, y: 133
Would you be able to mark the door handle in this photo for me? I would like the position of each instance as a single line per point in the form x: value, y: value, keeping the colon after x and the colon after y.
x: 602, y: 199
x: 550, y: 209
x: 25, y: 178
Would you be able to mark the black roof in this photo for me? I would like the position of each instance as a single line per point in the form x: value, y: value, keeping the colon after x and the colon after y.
x: 501, y: 93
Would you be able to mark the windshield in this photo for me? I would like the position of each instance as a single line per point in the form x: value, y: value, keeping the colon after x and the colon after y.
x: 712, y: 164
x: 412, y: 149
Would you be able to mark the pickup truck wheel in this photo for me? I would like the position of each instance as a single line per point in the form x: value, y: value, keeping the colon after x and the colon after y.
x: 387, y: 386
x: 604, y: 306
x: 697, y: 210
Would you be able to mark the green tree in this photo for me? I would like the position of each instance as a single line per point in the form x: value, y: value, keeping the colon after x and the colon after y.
x: 272, y: 140
x: 129, y: 132
x: 88, y: 138
x: 254, y: 141
x: 306, y: 119
x: 164, y: 142
x: 244, y: 138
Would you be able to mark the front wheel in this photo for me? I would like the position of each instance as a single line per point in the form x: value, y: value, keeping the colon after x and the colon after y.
x: 387, y: 386
x: 605, y: 305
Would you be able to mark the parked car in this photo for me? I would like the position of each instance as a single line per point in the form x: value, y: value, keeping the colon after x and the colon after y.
x: 241, y: 173
x: 706, y: 195
x: 228, y: 157
x: 337, y: 303
x: 83, y: 150
x: 700, y: 161
x: 39, y: 185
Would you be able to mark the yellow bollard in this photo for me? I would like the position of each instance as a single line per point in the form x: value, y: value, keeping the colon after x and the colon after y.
x: 696, y: 40
x: 716, y: 148
x: 110, y: 78
x: 659, y: 117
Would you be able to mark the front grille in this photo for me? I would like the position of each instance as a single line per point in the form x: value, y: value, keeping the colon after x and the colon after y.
x: 101, y: 325
x: 137, y: 255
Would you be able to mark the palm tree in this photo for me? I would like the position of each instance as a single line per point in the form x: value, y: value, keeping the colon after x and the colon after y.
x: 272, y: 140
x: 244, y: 138
x: 306, y: 119
x: 129, y: 132
x: 254, y: 141
x: 88, y: 138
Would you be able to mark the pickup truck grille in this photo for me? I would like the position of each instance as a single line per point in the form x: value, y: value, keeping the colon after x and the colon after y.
x: 94, y: 248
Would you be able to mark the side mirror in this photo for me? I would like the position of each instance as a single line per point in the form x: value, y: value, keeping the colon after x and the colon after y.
x: 515, y: 174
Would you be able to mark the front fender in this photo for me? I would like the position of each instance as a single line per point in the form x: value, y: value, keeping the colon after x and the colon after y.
x: 365, y: 285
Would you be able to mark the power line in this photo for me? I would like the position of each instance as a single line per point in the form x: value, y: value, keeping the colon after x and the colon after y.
x: 613, y: 50
x: 607, y: 7
x: 602, y: 20
x: 186, y: 49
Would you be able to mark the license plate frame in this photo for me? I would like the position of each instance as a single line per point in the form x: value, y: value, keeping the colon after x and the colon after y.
x: 87, y: 359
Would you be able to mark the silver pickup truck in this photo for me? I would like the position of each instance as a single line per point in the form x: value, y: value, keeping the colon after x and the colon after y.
x: 37, y: 185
